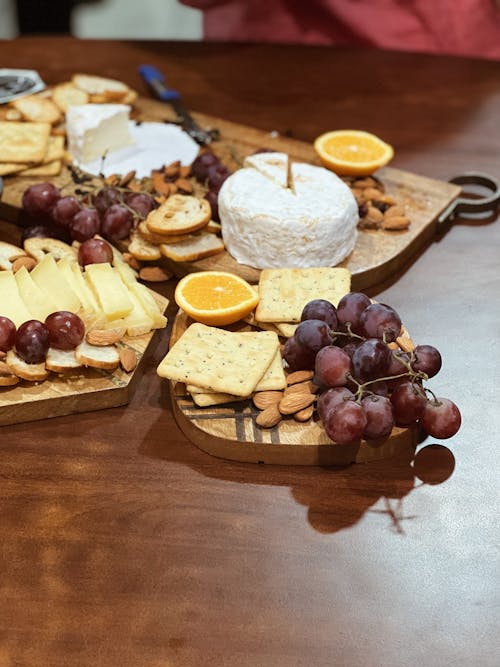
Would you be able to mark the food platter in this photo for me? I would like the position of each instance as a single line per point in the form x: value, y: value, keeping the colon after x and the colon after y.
x: 230, y: 431
x: 378, y: 254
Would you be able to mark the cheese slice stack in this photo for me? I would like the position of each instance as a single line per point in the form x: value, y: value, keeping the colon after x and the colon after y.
x: 104, y: 296
x: 277, y: 214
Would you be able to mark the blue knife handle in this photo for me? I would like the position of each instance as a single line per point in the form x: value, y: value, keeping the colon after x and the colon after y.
x: 153, y: 77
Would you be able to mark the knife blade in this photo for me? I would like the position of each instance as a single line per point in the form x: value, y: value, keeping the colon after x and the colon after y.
x: 156, y: 81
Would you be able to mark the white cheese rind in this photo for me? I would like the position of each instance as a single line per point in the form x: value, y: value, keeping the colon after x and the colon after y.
x: 95, y: 129
x: 312, y: 223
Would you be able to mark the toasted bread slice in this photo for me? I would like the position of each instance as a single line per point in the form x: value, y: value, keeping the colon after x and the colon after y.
x: 7, y: 377
x: 32, y: 372
x: 60, y: 361
x: 38, y: 247
x: 180, y: 214
x: 194, y: 248
x: 8, y: 253
x: 158, y: 239
x: 106, y: 357
x: 37, y: 109
x: 142, y: 249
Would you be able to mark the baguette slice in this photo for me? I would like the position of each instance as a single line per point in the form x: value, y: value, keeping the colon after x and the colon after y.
x: 31, y: 372
x: 194, y: 248
x: 108, y: 90
x: 180, y: 214
x: 60, y: 361
x: 105, y: 357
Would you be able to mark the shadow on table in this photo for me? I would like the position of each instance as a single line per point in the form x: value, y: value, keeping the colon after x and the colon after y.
x: 336, y: 497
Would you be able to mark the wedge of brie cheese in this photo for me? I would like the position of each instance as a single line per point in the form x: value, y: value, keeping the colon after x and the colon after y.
x: 96, y: 129
x: 277, y: 215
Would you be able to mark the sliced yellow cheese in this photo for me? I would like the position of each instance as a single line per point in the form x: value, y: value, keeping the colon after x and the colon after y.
x: 112, y: 295
x: 53, y: 283
x: 142, y: 293
x: 138, y: 321
x: 72, y: 273
x: 38, y: 302
x: 11, y: 303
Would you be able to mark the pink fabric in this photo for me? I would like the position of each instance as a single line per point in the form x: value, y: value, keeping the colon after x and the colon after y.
x: 462, y: 27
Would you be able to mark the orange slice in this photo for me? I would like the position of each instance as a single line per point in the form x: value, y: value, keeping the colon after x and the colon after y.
x: 215, y: 297
x: 352, y: 152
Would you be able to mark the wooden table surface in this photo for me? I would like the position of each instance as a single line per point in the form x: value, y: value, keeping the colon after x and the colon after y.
x: 123, y: 544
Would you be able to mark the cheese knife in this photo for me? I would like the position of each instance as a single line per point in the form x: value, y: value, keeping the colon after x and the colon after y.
x: 156, y: 81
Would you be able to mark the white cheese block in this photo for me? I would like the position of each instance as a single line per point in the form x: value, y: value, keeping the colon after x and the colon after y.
x: 96, y: 129
x: 313, y: 222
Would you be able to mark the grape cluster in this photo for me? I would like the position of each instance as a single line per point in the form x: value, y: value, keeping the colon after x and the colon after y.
x: 61, y: 330
x: 107, y: 210
x: 211, y: 172
x: 366, y: 386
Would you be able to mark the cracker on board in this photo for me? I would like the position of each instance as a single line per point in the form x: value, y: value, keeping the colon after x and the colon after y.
x: 286, y: 329
x: 215, y: 398
x: 67, y: 94
x: 45, y: 169
x: 219, y: 360
x: 37, y: 108
x: 23, y: 142
x: 284, y: 292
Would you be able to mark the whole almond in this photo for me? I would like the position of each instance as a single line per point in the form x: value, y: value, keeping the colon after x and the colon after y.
x: 103, y: 337
x: 128, y: 359
x: 295, y: 401
x: 363, y: 183
x: 373, y: 193
x: 112, y: 179
x: 184, y: 186
x: 131, y: 261
x: 393, y: 211
x: 185, y: 171
x: 172, y: 171
x: 307, y: 387
x: 125, y: 180
x: 28, y: 262
x: 396, y: 222
x: 154, y: 274
x: 263, y: 399
x: 304, y: 415
x: 374, y: 215
x: 160, y: 185
x: 269, y: 417
x: 299, y: 376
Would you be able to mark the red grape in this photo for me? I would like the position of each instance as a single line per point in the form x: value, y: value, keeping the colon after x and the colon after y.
x: 217, y: 174
x: 332, y: 366
x: 106, y: 197
x: 345, y: 422
x: 32, y: 341
x: 313, y: 334
x: 64, y: 210
x: 350, y: 307
x: 330, y: 398
x: 408, y: 403
x: 201, y: 165
x: 85, y: 224
x: 140, y: 202
x: 370, y: 360
x: 396, y: 365
x: 426, y: 360
x: 379, y: 417
x: 298, y: 357
x: 40, y: 198
x: 441, y: 418
x: 45, y: 232
x: 320, y: 309
x: 66, y: 330
x: 213, y: 199
x: 7, y: 333
x: 95, y: 251
x: 117, y: 222
x: 380, y: 321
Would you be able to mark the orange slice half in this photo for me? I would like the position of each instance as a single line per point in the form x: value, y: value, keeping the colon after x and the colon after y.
x: 352, y: 152
x: 215, y: 297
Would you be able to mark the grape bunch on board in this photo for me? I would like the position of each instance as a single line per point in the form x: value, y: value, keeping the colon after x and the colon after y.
x: 366, y: 386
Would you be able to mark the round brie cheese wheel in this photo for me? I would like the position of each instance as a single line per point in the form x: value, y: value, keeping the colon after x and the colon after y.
x: 275, y: 217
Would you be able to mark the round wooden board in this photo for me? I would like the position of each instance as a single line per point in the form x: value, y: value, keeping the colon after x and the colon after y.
x: 230, y: 431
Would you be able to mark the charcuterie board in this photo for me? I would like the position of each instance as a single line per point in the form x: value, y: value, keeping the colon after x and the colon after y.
x: 83, y: 390
x: 230, y: 431
x: 378, y: 254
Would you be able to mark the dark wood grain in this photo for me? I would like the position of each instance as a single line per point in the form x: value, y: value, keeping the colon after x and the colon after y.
x: 124, y: 544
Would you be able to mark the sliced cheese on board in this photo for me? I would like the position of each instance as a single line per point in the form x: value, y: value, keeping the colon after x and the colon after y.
x: 142, y: 293
x: 51, y: 281
x: 38, y: 301
x: 112, y: 294
x: 11, y: 303
x: 72, y: 273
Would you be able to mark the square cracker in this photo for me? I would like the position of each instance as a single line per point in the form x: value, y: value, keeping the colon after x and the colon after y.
x: 45, y: 169
x: 23, y: 142
x: 219, y: 360
x: 284, y: 292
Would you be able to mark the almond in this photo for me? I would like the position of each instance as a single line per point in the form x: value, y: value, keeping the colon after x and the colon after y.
x: 405, y: 342
x: 269, y: 417
x: 363, y: 183
x: 185, y: 171
x: 307, y: 387
x: 132, y: 261
x: 184, y: 186
x: 295, y: 401
x: 394, y: 211
x: 125, y: 180
x: 373, y: 193
x: 396, y: 222
x: 112, y: 179
x: 154, y: 274
x: 28, y: 262
x: 159, y: 183
x: 305, y: 414
x: 172, y: 171
x: 263, y: 399
x: 299, y: 376
x: 128, y: 359
x: 103, y: 337
x: 374, y: 215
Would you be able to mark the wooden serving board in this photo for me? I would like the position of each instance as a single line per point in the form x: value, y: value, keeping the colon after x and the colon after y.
x: 378, y: 254
x: 81, y: 391
x: 230, y: 431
